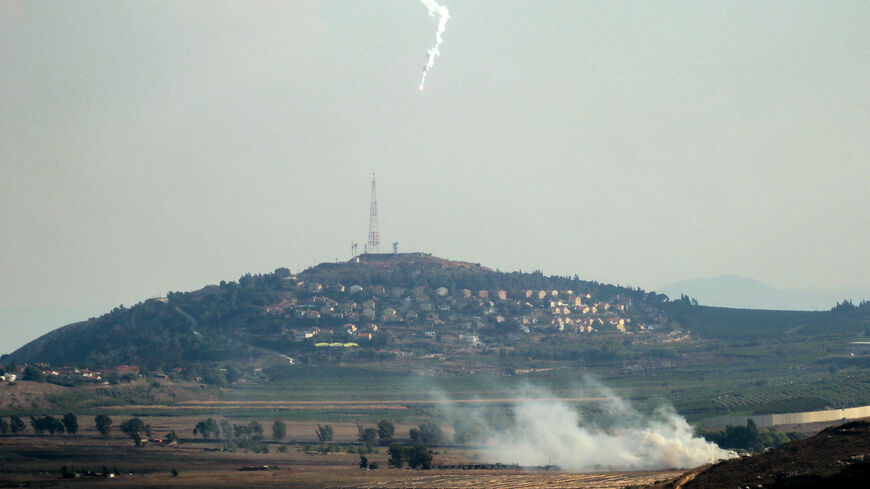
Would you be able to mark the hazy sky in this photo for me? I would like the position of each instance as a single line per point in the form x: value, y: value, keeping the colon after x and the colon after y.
x: 156, y: 146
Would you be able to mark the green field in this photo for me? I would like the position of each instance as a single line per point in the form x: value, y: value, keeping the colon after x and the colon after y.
x: 784, y: 370
x: 713, y: 378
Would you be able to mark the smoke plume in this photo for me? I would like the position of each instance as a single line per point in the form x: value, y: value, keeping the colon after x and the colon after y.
x: 443, y: 15
x: 550, y: 432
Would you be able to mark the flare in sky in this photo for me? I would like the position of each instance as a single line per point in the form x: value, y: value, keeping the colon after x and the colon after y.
x: 441, y: 11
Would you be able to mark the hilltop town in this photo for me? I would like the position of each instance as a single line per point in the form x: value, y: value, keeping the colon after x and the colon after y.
x: 444, y: 318
x: 373, y: 306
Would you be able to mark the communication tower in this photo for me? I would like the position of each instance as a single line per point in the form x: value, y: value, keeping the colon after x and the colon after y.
x: 374, y: 243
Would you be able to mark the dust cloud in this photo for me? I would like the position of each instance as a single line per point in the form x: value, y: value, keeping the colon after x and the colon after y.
x: 545, y: 431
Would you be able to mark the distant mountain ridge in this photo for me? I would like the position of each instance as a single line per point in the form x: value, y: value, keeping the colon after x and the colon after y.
x: 740, y: 292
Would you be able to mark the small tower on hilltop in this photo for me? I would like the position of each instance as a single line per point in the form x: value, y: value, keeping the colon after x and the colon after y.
x: 374, y: 243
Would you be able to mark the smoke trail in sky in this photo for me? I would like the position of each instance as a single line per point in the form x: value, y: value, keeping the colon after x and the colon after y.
x: 441, y: 11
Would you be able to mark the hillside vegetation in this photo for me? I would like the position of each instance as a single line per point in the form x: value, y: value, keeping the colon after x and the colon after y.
x: 836, y: 457
x: 380, y: 306
x: 723, y: 322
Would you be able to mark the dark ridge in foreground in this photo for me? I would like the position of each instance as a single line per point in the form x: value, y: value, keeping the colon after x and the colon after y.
x: 837, y: 457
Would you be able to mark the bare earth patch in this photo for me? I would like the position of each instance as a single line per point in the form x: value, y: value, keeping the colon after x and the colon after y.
x: 519, y: 480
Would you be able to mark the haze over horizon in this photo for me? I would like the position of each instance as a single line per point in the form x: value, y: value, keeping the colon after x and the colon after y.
x: 744, y: 293
x: 148, y: 147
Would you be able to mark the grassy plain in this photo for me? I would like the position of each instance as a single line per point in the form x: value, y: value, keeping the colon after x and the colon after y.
x: 35, y: 461
x: 699, y: 377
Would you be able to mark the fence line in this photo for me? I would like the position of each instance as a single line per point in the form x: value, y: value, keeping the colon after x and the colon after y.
x: 766, y: 420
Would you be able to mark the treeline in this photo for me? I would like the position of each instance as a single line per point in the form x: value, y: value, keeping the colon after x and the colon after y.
x: 246, y: 437
x: 417, y: 456
x: 188, y: 371
x: 41, y: 424
x: 135, y: 428
x: 600, y: 352
x: 848, y: 308
x: 250, y: 436
x: 749, y: 437
x: 512, y: 282
x: 427, y: 433
x: 239, y: 436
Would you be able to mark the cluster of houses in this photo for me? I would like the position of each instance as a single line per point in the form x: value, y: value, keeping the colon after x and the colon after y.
x: 346, y: 330
x: 335, y: 315
x: 70, y: 373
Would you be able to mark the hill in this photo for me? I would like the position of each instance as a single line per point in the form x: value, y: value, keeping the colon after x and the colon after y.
x: 836, y: 457
x: 740, y: 292
x: 730, y: 323
x: 386, y: 305
x: 368, y: 303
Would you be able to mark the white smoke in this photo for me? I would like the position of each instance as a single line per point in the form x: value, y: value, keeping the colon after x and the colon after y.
x: 443, y: 15
x: 550, y: 432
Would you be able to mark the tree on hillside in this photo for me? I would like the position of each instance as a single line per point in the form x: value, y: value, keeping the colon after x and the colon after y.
x: 207, y: 428
x: 466, y: 432
x: 420, y: 458
x: 747, y: 437
x: 417, y: 457
x: 53, y: 425
x: 324, y: 432
x: 171, y: 437
x: 46, y: 423
x: 71, y: 423
x: 427, y: 433
x: 16, y: 425
x: 232, y: 375
x: 279, y: 430
x: 386, y: 430
x: 367, y: 435
x: 397, y: 456
x: 227, y: 429
x: 104, y: 424
x: 34, y: 374
x: 255, y: 429
x: 135, y: 428
x: 37, y: 425
x: 214, y: 376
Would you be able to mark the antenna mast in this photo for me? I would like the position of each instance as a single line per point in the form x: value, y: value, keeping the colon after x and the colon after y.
x: 374, y: 243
